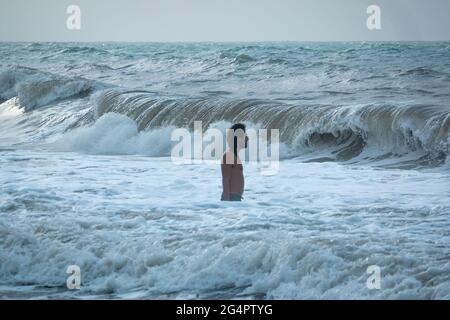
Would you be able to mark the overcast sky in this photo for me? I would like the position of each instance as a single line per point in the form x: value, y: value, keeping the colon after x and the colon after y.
x: 224, y: 20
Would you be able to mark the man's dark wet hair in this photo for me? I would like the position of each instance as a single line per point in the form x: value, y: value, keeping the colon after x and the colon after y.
x: 238, y: 126
x: 235, y: 127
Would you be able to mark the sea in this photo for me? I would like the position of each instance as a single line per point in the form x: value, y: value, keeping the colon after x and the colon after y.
x: 359, y: 208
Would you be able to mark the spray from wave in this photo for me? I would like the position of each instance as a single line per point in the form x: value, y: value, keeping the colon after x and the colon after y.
x: 117, y: 134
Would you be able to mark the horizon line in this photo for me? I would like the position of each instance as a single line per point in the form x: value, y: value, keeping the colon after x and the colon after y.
x: 214, y: 41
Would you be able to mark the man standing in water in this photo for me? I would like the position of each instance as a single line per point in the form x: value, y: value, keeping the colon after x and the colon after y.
x: 232, y: 170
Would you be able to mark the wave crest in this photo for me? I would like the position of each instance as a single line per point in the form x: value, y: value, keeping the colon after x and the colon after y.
x: 35, y: 88
x: 346, y: 131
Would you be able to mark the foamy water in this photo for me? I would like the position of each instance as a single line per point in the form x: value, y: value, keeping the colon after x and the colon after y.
x: 142, y: 226
x: 86, y: 178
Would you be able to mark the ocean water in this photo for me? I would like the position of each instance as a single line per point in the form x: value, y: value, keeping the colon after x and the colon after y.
x: 86, y: 176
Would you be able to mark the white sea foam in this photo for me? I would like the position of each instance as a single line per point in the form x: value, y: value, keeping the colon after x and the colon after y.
x: 10, y: 109
x: 144, y: 227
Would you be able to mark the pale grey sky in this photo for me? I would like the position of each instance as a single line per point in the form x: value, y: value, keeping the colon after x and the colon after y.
x: 224, y: 20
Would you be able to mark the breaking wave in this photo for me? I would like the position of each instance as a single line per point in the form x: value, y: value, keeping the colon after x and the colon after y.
x: 117, y: 134
x: 35, y: 88
x: 369, y: 131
